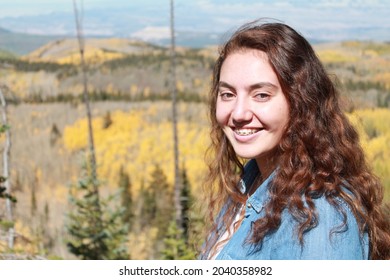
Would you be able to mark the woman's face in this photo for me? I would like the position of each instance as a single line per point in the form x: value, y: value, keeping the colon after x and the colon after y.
x: 251, y: 107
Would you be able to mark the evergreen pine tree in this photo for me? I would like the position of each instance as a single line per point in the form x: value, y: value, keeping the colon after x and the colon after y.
x: 33, y: 208
x: 95, y: 236
x: 186, y: 202
x: 175, y: 248
x: 193, y: 222
x: 116, y: 230
x: 126, y: 196
x: 161, y: 194
x: 157, y: 209
x: 84, y: 224
x: 148, y: 206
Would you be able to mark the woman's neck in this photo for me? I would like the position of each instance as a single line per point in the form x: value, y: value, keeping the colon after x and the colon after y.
x: 267, y: 165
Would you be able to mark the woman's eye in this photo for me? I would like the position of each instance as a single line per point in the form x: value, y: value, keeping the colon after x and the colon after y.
x: 226, y: 95
x: 262, y: 96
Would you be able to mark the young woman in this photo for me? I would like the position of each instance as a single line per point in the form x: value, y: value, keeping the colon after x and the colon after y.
x: 288, y: 178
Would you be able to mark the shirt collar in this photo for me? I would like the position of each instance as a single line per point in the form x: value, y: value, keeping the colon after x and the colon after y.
x: 258, y: 199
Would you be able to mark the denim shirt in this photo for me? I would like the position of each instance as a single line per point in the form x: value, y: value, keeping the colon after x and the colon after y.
x: 319, y: 243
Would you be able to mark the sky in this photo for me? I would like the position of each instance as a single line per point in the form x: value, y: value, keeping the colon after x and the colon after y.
x: 149, y: 19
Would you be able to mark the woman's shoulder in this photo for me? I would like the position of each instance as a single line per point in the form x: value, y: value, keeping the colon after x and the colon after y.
x: 334, y: 213
x: 335, y: 234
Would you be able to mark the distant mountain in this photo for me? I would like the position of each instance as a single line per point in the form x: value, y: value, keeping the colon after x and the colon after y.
x: 97, y: 50
x: 3, y: 31
x: 189, y: 39
x: 21, y: 44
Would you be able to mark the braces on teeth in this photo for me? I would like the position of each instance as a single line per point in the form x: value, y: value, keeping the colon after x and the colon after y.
x: 245, y: 132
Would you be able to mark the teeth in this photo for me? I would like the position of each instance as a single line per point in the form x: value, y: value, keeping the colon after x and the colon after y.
x: 244, y: 132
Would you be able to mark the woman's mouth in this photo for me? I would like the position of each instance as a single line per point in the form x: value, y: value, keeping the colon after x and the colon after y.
x: 246, y: 131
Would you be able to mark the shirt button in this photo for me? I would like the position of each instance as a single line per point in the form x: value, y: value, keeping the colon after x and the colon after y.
x: 249, y: 205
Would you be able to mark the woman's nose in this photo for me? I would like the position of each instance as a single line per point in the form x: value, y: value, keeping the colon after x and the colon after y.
x: 242, y: 111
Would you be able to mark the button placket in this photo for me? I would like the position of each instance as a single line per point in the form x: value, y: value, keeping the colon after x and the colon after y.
x: 249, y: 209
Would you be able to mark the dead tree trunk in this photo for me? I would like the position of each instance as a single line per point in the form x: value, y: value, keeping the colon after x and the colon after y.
x: 80, y: 38
x: 6, y: 171
x: 177, y: 186
x: 91, y: 156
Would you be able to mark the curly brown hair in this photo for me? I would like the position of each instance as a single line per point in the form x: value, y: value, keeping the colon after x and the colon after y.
x: 320, y: 154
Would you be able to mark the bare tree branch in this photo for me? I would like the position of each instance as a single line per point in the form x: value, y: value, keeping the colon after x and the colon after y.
x: 6, y: 171
x: 92, y: 158
x: 177, y: 186
x: 81, y: 41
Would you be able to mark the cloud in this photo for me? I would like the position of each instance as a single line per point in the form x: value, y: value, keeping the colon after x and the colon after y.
x: 304, y: 15
x: 147, y: 19
x: 152, y: 33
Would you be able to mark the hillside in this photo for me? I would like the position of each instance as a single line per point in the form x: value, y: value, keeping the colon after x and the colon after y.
x: 362, y: 70
x: 134, y: 70
x: 117, y: 69
x: 6, y: 54
x: 97, y: 50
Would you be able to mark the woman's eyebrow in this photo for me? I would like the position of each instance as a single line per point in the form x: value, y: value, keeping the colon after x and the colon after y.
x: 251, y: 87
x: 262, y: 85
x: 225, y: 85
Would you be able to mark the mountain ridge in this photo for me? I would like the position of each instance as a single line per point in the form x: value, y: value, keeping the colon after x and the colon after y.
x: 23, y: 43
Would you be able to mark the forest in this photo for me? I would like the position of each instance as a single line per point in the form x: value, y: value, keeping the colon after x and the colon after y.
x: 128, y: 84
